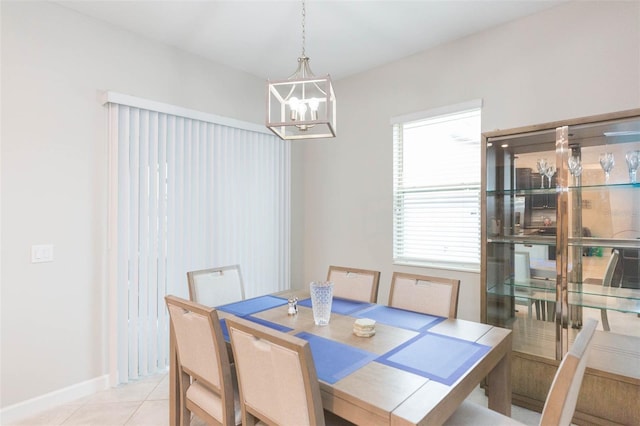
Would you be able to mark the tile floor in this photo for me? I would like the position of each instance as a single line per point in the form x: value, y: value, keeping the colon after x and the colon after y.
x: 145, y: 403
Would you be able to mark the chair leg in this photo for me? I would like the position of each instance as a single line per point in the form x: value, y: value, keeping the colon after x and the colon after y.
x: 537, y: 303
x: 185, y: 413
x: 605, y: 320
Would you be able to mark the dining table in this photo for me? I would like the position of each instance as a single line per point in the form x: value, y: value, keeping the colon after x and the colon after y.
x: 415, y: 370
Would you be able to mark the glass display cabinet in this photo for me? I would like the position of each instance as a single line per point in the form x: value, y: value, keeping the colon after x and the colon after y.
x: 561, y: 242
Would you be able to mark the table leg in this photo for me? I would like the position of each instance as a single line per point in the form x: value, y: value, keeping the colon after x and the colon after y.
x: 174, y: 403
x: 499, y: 382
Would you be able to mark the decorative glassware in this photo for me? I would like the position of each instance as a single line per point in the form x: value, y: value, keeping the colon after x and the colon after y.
x: 633, y: 160
x: 607, y: 162
x: 321, y: 300
x: 575, y: 166
x: 542, y: 170
x: 551, y: 170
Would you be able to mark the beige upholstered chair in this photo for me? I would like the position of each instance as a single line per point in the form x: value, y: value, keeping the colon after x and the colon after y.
x: 354, y: 284
x: 522, y: 276
x: 277, y: 377
x: 216, y: 286
x: 428, y: 295
x: 561, y: 399
x: 606, y: 282
x: 206, y: 382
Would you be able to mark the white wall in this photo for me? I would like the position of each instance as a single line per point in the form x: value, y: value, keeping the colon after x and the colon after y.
x: 54, y: 178
x: 575, y: 60
x: 578, y: 59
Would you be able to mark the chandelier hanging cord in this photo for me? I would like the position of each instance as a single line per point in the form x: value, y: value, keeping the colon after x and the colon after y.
x: 303, y: 106
x: 303, y: 70
x: 304, y: 34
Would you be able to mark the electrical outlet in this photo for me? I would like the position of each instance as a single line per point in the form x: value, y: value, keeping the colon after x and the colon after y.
x: 42, y: 253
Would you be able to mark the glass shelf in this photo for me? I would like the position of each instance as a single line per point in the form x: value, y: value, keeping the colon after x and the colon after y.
x: 550, y: 240
x: 553, y: 191
x: 618, y: 243
x: 533, y: 239
x: 585, y: 295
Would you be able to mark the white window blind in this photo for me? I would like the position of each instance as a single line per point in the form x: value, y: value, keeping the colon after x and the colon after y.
x: 436, y: 182
x: 186, y: 194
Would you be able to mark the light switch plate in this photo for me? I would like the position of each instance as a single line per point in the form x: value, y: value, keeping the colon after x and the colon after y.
x: 42, y: 253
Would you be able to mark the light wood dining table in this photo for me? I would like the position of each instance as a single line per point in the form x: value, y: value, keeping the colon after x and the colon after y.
x: 379, y: 390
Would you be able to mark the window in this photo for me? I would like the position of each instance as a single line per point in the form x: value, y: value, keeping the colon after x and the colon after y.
x: 436, y: 188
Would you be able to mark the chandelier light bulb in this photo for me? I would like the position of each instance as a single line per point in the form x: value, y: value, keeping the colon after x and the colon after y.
x: 294, y: 105
x: 314, y: 103
x: 302, y: 110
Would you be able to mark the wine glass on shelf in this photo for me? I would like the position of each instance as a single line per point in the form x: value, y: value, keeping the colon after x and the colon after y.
x: 575, y: 167
x: 542, y: 170
x: 607, y: 162
x: 549, y: 172
x: 633, y: 160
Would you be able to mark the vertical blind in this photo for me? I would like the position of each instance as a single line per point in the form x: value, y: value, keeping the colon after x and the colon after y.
x: 187, y: 194
x: 436, y: 183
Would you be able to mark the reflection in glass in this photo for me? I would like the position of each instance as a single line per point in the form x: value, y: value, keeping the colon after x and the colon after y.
x: 633, y: 159
x: 575, y: 166
x: 551, y: 170
x: 607, y: 162
x: 542, y: 170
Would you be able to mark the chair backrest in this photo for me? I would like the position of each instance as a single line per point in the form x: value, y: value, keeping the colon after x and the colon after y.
x: 354, y: 284
x: 276, y: 375
x: 611, y: 267
x: 202, y: 355
x: 216, y: 286
x: 563, y: 394
x: 521, y: 267
x: 428, y: 295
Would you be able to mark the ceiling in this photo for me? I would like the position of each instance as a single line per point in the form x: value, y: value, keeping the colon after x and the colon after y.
x: 343, y: 37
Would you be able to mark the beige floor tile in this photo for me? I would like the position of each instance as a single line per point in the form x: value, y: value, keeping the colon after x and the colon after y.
x: 134, y: 391
x: 106, y: 414
x: 524, y: 416
x: 53, y: 417
x: 151, y: 413
x: 161, y: 391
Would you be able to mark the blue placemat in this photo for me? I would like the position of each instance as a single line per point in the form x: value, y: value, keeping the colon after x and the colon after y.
x: 334, y: 360
x: 279, y: 327
x: 400, y: 318
x: 440, y: 358
x: 251, y: 306
x: 340, y: 306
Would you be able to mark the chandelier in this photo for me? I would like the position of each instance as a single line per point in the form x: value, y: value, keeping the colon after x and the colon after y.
x: 303, y: 106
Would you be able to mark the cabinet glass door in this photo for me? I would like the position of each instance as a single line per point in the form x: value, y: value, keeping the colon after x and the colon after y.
x: 562, y: 232
x: 603, y: 245
x: 521, y: 229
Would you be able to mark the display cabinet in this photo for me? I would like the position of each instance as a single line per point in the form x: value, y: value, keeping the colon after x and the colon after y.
x: 561, y: 242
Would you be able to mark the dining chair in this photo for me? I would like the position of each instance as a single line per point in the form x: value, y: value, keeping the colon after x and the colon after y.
x: 522, y: 281
x: 606, y: 282
x: 560, y: 404
x: 216, y: 286
x: 354, y: 284
x: 276, y: 376
x: 206, y: 379
x: 424, y: 294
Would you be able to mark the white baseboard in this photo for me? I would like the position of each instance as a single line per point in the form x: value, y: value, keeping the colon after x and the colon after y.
x: 31, y: 407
